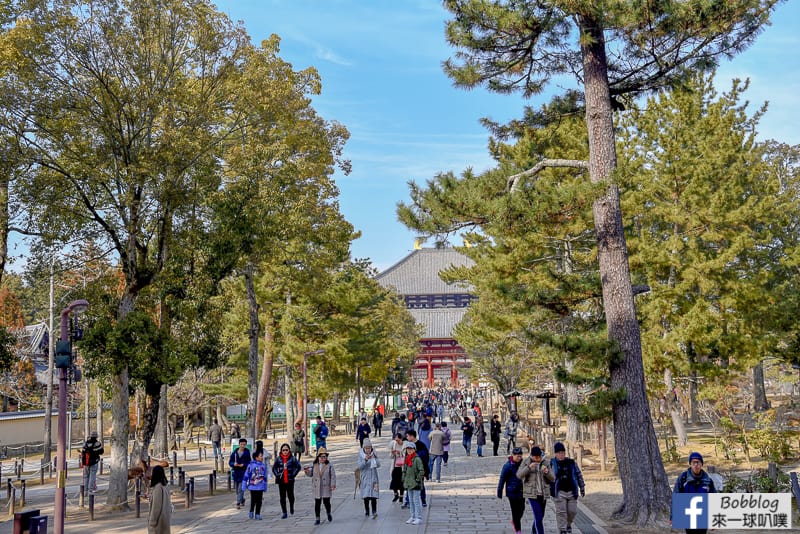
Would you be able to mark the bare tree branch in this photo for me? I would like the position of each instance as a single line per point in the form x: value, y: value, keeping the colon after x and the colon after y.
x: 513, y: 181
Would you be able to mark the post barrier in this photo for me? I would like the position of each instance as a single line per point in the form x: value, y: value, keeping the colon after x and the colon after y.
x: 211, y: 484
x: 81, y: 496
x: 91, y: 507
x: 22, y: 496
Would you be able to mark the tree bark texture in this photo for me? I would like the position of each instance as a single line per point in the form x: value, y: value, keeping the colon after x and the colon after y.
x: 760, y: 402
x: 674, y: 411
x: 162, y: 426
x: 264, y: 386
x: 120, y: 415
x: 252, y: 353
x: 152, y: 402
x: 646, y: 491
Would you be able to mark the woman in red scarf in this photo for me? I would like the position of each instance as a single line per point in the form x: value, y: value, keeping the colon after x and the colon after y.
x: 285, y: 470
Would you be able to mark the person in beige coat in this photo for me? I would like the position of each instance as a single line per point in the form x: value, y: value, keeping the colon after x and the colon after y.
x: 323, y: 482
x: 536, y: 478
x: 160, y: 516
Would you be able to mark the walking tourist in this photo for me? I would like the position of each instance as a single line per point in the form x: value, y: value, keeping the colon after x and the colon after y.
x: 239, y: 460
x: 568, y: 482
x: 298, y: 441
x: 323, y: 483
x: 695, y: 480
x: 255, y: 476
x: 536, y: 478
x: 285, y: 469
x: 90, y: 460
x: 215, y: 435
x: 436, y: 451
x: 480, y: 435
x: 446, y: 442
x: 495, y: 428
x: 398, y: 456
x: 368, y: 465
x: 466, y: 437
x: 513, y: 488
x: 413, y: 476
x: 512, y: 427
x: 362, y: 431
x: 160, y: 516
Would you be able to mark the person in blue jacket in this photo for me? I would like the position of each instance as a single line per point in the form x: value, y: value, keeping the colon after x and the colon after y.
x: 256, y: 479
x: 513, y: 488
x: 568, y: 482
x: 695, y: 480
x: 240, y: 459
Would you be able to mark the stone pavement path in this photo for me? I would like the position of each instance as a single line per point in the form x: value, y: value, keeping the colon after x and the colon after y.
x: 465, y: 501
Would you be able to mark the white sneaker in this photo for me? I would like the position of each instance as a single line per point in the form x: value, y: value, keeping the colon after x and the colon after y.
x: 416, y: 522
x: 409, y: 521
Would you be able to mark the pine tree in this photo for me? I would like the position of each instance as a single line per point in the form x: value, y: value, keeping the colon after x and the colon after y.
x: 510, y: 45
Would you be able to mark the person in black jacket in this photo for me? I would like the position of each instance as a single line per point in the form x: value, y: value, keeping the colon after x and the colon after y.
x: 513, y: 488
x: 568, y: 482
x: 90, y: 459
x: 239, y: 460
x: 495, y: 429
x: 285, y: 470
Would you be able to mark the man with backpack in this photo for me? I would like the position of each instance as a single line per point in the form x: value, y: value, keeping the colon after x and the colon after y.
x: 90, y: 458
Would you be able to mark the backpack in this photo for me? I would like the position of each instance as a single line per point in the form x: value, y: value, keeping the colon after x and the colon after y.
x: 323, y: 431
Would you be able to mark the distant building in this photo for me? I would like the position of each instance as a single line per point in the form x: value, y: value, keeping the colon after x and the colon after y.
x: 436, y: 305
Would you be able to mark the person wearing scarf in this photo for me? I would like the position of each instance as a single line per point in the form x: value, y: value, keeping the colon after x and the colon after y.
x: 368, y: 465
x: 413, y: 475
x: 285, y: 470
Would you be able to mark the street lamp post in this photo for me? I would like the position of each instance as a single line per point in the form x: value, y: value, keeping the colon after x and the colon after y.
x: 305, y: 394
x: 63, y: 362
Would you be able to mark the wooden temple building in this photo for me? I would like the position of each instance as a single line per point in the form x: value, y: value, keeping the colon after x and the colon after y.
x: 438, y: 306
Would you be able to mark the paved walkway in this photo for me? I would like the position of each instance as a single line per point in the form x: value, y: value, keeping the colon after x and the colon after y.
x: 465, y: 501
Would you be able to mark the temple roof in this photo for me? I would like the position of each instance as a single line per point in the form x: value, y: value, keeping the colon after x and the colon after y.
x: 418, y: 273
x: 439, y: 322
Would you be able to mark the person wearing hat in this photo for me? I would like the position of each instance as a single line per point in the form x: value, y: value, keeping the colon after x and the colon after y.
x: 568, y: 481
x: 513, y: 488
x: 413, y: 477
x: 323, y: 482
x: 90, y: 460
x: 368, y: 465
x: 695, y: 480
x: 536, y: 478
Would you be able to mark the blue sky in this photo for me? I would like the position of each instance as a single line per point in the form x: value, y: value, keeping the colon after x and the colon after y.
x: 380, y: 63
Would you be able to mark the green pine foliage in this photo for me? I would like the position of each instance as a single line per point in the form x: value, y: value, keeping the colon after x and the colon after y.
x: 706, y: 219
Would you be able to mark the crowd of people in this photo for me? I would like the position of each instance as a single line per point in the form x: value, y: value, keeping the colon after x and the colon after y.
x: 420, y: 446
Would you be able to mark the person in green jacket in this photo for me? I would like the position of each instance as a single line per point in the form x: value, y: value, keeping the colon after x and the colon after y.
x: 413, y: 475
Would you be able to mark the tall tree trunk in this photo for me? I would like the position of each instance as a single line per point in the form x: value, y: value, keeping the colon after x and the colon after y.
x: 48, y: 401
x: 252, y: 353
x: 120, y: 403
x: 4, y: 219
x: 100, y: 426
x: 287, y: 400
x: 645, y: 488
x: 87, y: 405
x: 264, y: 386
x: 760, y: 402
x: 675, y: 411
x: 162, y: 426
x: 152, y: 402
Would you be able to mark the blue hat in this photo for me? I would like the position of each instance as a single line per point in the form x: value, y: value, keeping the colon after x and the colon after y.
x: 696, y: 456
x: 559, y: 447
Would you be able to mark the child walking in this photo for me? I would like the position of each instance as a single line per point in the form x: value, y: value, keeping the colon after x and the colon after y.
x: 256, y: 479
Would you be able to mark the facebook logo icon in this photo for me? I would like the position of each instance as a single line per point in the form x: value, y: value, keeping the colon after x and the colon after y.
x: 690, y: 510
